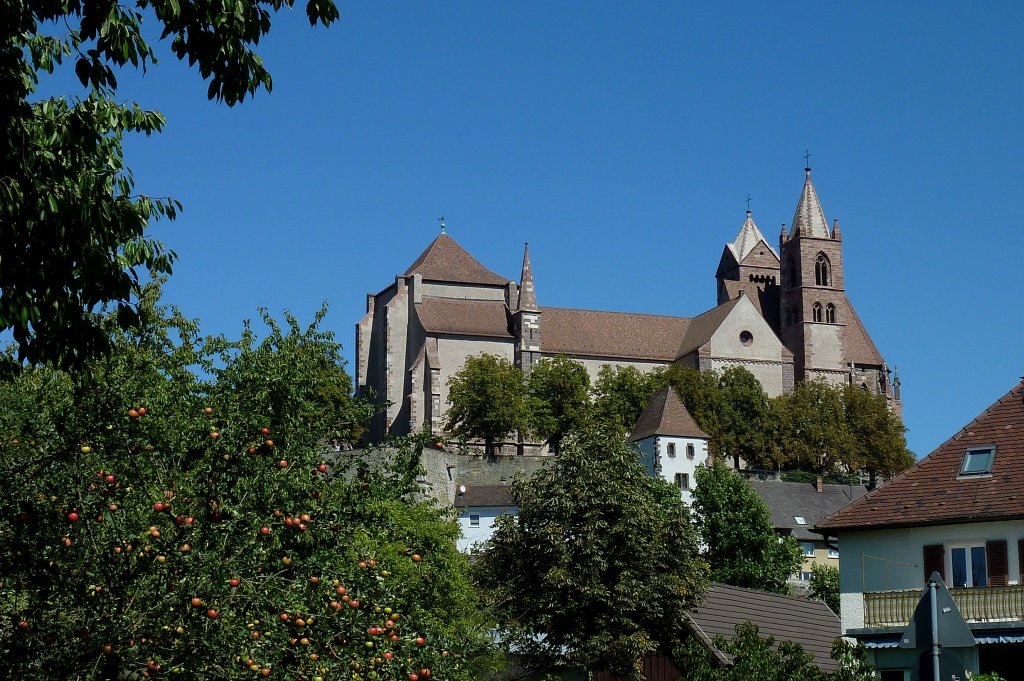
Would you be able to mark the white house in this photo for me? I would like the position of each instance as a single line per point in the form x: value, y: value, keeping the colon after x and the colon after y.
x: 959, y: 512
x: 478, y: 506
x: 671, y: 443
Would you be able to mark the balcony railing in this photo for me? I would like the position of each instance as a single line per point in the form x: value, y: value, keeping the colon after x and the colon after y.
x: 977, y: 604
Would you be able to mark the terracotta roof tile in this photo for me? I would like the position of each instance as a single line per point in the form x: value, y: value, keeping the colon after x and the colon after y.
x: 932, y: 493
x: 665, y: 415
x: 464, y: 317
x: 445, y: 260
x: 786, y: 618
x: 611, y: 334
x: 701, y: 328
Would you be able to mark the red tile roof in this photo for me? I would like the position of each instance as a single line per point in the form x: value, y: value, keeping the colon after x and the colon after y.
x: 860, y: 349
x: 702, y: 327
x: 445, y: 260
x: 932, y: 493
x: 665, y: 415
x: 464, y: 317
x: 622, y: 335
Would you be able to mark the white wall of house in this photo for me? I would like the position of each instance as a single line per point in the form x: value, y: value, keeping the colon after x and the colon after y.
x: 674, y: 459
x: 884, y: 560
x: 477, y: 524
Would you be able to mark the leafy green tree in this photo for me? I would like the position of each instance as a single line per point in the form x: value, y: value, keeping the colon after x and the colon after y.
x: 621, y: 393
x: 171, y: 509
x: 73, y: 233
x: 735, y: 525
x: 825, y: 585
x: 487, y: 400
x: 599, y: 567
x: 559, y: 394
x: 813, y: 428
x: 877, y: 436
x: 701, y: 395
x: 747, y: 424
x: 755, y: 658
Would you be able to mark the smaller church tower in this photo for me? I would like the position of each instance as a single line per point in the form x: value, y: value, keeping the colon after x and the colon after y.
x: 526, y: 319
x: 749, y: 265
x: 670, y: 442
x: 813, y: 306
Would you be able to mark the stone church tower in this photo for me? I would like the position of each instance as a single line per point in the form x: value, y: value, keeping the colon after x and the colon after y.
x: 526, y: 318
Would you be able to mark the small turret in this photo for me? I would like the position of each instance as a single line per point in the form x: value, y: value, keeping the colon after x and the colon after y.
x: 836, y: 234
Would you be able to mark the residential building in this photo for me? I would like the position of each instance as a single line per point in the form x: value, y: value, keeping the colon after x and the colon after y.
x: 958, y: 512
x: 797, y: 507
x: 478, y: 507
x: 782, y: 314
x: 670, y: 442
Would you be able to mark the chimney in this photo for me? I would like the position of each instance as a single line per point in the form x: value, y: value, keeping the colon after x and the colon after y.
x: 819, y: 484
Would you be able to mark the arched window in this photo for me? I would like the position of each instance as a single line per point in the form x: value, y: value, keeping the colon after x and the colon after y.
x: 830, y: 313
x: 822, y: 275
x: 816, y: 312
x: 793, y: 272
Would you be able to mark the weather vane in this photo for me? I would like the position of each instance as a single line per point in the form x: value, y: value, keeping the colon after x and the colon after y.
x: 441, y: 220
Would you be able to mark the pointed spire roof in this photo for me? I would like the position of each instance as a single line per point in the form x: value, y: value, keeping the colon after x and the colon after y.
x: 748, y: 239
x: 527, y: 291
x: 809, y: 219
x: 665, y: 415
x: 445, y: 260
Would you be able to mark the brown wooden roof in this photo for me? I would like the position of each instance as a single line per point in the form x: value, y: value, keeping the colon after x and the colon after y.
x: 665, y: 415
x: 611, y: 334
x: 932, y: 493
x: 809, y: 623
x: 464, y: 317
x: 445, y: 260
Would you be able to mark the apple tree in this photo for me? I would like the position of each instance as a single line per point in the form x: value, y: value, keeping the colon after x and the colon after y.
x: 174, y: 511
x: 600, y: 565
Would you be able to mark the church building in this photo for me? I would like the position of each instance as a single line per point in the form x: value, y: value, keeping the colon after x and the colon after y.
x: 782, y: 314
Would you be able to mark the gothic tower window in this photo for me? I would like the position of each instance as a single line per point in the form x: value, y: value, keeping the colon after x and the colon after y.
x: 793, y: 271
x: 822, y: 276
x: 830, y: 313
x: 816, y: 312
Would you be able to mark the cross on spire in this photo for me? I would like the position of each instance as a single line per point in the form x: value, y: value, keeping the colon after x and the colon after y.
x: 441, y: 220
x: 807, y: 160
x: 748, y: 203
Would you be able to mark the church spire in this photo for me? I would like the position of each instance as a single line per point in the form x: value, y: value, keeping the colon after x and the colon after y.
x: 809, y: 219
x: 527, y: 292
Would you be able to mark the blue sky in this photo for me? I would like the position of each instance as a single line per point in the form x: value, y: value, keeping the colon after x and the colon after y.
x: 621, y: 140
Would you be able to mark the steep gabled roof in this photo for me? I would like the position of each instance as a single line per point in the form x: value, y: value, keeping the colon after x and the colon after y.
x: 788, y: 500
x: 464, y: 317
x: 932, y: 492
x: 665, y: 415
x: 809, y: 219
x: 445, y: 260
x: 747, y: 240
x: 786, y: 618
x: 527, y: 291
x: 485, y: 495
x: 860, y: 349
x: 703, y: 327
x: 611, y: 334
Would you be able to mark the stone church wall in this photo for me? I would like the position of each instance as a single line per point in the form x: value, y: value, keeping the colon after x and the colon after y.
x: 464, y: 292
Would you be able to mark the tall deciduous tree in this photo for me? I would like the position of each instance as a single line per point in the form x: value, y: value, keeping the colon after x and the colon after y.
x: 748, y: 427
x: 739, y: 541
x: 178, y: 514
x: 559, y: 398
x: 600, y: 565
x: 878, y: 441
x: 73, y: 232
x: 486, y: 400
x: 621, y: 393
x: 814, y: 432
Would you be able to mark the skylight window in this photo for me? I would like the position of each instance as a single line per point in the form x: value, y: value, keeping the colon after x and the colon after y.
x: 800, y: 520
x: 978, y: 462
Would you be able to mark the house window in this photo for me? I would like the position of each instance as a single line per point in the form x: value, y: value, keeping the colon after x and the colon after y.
x: 805, y: 576
x: 800, y: 520
x: 894, y: 674
x: 816, y: 312
x: 968, y: 566
x: 474, y: 520
x: 808, y: 549
x: 830, y: 313
x: 833, y: 552
x: 683, y: 481
x: 672, y: 449
x: 822, y: 277
x: 978, y: 461
x: 689, y: 450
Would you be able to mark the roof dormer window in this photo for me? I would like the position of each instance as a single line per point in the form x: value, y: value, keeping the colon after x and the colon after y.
x: 978, y: 462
